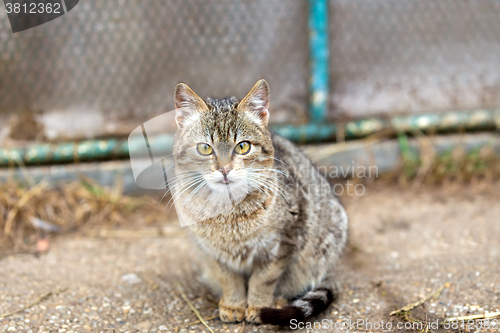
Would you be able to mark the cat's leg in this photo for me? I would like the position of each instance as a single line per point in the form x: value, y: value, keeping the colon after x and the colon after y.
x: 261, y: 287
x: 227, y: 285
x: 232, y: 303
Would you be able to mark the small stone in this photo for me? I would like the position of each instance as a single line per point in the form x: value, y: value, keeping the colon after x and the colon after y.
x: 131, y: 278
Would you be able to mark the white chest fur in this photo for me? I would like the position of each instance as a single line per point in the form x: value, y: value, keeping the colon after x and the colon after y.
x: 238, y: 249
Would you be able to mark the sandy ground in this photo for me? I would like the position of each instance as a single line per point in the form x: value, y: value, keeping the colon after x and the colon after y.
x: 403, y: 246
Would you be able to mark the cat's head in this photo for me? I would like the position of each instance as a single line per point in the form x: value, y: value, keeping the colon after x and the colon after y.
x: 223, y: 144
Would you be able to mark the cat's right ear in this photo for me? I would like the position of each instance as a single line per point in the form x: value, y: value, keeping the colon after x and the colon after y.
x: 257, y: 102
x: 186, y: 103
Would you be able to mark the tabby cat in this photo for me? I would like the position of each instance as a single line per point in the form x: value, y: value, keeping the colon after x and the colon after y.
x: 267, y: 225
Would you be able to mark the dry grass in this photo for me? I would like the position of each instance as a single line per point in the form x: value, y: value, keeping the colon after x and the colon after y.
x: 456, y: 166
x: 30, y: 214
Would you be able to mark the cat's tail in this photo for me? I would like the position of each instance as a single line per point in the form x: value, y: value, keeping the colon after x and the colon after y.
x: 310, y: 305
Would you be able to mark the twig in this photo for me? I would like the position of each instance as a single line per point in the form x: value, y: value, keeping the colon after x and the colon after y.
x: 474, y: 317
x: 198, y: 321
x: 242, y: 327
x: 406, y: 316
x: 38, y: 301
x: 193, y: 308
x: 411, y: 306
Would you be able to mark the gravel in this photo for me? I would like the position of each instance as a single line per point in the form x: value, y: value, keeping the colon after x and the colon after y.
x: 403, y: 246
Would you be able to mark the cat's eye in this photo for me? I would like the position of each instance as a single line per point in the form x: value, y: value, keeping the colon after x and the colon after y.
x: 204, y: 149
x: 242, y: 148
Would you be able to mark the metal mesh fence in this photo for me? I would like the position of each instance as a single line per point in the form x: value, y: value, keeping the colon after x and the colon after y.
x: 109, y: 64
x: 402, y: 56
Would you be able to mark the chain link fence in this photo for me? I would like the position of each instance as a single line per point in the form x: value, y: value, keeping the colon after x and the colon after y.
x: 109, y: 65
x: 405, y: 56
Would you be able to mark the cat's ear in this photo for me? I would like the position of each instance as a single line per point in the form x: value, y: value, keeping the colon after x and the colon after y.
x: 186, y: 103
x: 257, y: 101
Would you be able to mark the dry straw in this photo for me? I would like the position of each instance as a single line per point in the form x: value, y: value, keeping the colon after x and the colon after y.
x: 28, y: 214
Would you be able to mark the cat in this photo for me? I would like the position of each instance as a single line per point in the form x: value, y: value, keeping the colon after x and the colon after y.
x: 268, y: 228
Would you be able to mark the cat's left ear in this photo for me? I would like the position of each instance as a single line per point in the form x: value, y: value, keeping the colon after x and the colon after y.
x: 257, y: 101
x: 186, y: 103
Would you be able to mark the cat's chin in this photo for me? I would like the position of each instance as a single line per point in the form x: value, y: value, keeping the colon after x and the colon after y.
x: 238, y: 190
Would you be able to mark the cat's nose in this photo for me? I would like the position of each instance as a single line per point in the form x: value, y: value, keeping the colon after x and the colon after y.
x: 225, y: 171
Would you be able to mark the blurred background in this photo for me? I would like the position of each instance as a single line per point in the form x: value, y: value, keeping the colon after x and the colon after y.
x: 410, y: 87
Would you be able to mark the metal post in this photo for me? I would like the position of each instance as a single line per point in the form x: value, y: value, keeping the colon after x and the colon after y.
x: 319, y: 52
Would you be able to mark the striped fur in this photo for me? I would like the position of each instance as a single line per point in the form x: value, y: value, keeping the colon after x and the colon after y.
x: 280, y: 240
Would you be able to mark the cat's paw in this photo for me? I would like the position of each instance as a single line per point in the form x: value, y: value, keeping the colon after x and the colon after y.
x: 253, y: 315
x: 231, y: 314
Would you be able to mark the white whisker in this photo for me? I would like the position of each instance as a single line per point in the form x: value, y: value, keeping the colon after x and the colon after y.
x: 185, y: 186
x: 171, y: 186
x: 274, y: 188
x: 186, y: 201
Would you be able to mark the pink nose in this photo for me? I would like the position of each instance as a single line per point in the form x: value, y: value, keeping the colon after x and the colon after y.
x: 225, y: 171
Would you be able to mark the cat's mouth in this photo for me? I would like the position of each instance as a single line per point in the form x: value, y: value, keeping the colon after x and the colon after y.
x: 226, y: 181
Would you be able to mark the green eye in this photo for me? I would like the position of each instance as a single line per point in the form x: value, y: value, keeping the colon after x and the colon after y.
x: 204, y: 149
x: 242, y: 148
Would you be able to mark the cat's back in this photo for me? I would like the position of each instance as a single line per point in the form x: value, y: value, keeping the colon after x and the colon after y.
x: 288, y: 154
x: 296, y: 165
x: 309, y: 194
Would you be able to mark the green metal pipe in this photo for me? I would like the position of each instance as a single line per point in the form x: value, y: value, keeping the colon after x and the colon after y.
x: 382, y: 157
x: 92, y: 150
x: 440, y: 122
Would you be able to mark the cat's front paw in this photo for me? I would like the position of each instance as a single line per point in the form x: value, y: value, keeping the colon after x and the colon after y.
x: 253, y: 315
x: 231, y: 314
